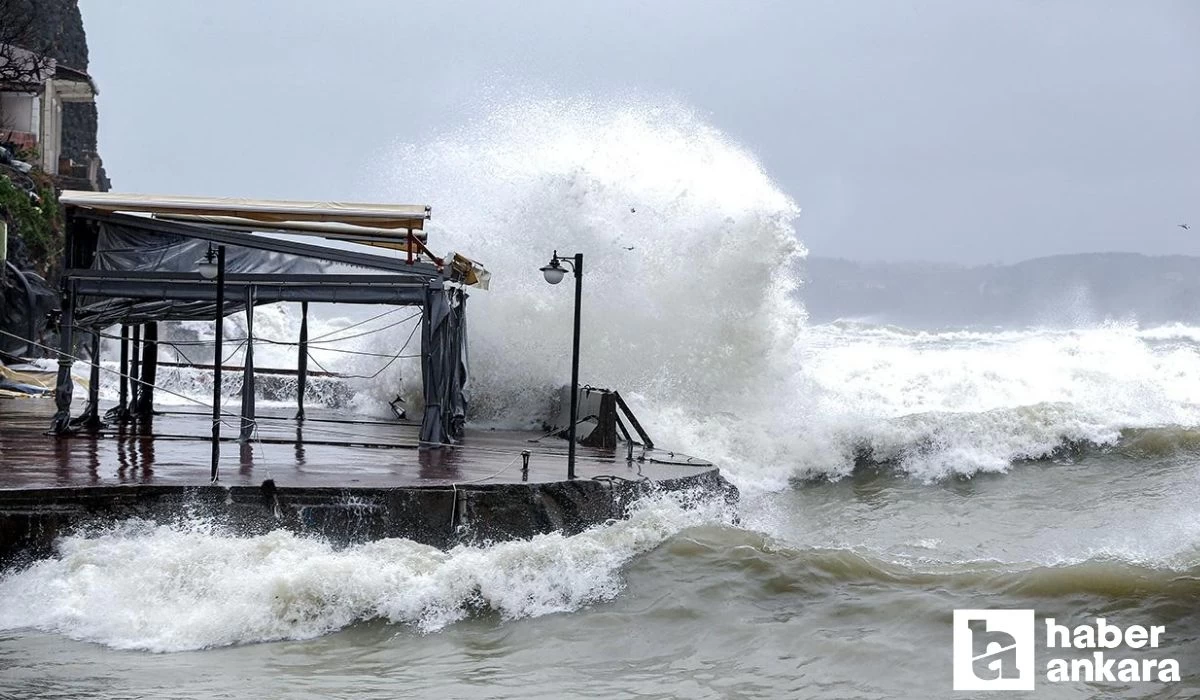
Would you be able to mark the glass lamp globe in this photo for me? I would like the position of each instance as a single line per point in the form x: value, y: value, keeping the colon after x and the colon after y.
x: 208, y: 268
x: 553, y: 272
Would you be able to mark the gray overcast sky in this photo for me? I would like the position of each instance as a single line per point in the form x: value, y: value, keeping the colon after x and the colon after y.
x: 956, y: 130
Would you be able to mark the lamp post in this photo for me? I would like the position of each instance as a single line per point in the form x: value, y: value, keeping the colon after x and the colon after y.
x: 554, y: 273
x: 212, y: 266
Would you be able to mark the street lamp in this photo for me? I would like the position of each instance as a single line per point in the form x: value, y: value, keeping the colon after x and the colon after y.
x: 208, y: 264
x: 554, y: 272
x: 212, y: 266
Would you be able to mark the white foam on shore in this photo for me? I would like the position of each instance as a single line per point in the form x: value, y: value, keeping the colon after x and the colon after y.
x: 179, y: 587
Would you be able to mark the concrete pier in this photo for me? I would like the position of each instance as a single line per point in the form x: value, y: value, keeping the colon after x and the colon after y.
x: 346, y: 480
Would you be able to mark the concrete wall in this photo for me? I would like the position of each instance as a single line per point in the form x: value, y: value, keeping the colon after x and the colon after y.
x: 19, y: 111
x: 31, y: 520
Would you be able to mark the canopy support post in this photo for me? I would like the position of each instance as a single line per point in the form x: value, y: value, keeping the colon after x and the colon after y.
x: 145, y: 401
x: 219, y: 333
x: 302, y: 361
x: 90, y: 419
x: 430, y: 421
x: 248, y: 422
x: 65, y: 386
x: 135, y: 365
x: 120, y: 412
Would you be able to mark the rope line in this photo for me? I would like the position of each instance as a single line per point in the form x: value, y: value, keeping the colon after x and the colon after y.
x: 319, y: 340
x: 222, y: 412
x: 360, y: 323
x: 254, y: 422
x: 379, y: 371
x: 111, y: 371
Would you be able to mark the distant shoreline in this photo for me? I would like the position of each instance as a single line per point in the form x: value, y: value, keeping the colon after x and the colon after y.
x: 1055, y: 291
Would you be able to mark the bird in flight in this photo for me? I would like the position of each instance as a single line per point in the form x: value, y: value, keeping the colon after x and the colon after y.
x: 1185, y: 227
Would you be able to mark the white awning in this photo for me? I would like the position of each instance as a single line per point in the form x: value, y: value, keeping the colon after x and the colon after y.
x: 395, y: 239
x: 386, y: 216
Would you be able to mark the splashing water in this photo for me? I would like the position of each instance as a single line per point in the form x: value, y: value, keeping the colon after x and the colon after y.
x: 689, y: 298
x: 691, y: 309
x: 184, y: 586
x: 701, y: 322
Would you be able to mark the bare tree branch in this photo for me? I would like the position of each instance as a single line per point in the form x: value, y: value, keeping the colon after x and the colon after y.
x: 23, y: 53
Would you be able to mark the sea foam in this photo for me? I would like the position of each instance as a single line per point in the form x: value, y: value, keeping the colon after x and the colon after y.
x: 159, y: 587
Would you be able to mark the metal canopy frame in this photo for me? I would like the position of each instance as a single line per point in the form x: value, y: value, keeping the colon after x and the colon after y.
x: 94, y: 298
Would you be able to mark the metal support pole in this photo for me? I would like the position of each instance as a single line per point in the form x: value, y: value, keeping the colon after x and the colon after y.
x: 220, y: 339
x: 646, y: 441
x: 123, y: 395
x: 145, y: 401
x: 135, y: 372
x: 120, y: 412
x: 575, y: 366
x: 92, y: 413
x: 248, y: 421
x: 302, y: 361
x: 64, y: 386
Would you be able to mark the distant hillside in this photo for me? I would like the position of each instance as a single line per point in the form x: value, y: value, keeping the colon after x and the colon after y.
x: 1061, y: 290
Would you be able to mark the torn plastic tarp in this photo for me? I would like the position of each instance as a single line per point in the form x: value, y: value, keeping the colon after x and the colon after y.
x: 25, y: 381
x: 121, y: 247
x: 444, y: 366
x: 26, y: 301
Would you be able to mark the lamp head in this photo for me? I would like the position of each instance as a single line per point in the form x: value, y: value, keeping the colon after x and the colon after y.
x: 553, y: 271
x: 208, y: 264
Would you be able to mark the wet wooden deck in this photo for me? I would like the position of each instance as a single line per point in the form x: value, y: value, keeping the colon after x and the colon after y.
x: 324, y: 450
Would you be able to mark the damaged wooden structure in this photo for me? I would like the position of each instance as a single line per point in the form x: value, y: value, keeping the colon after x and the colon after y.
x: 138, y: 260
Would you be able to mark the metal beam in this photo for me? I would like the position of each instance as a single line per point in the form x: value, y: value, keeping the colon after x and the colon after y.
x: 302, y: 361
x: 248, y: 371
x: 135, y: 369
x: 120, y: 413
x: 91, y: 413
x: 400, y: 294
x: 219, y: 340
x: 145, y: 401
x: 279, y: 279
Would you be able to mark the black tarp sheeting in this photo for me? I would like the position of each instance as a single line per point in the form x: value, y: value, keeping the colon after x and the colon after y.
x: 137, y: 270
x: 127, y: 246
x: 444, y: 365
x: 26, y: 301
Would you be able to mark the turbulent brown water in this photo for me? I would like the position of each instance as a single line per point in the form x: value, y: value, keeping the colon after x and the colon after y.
x: 889, y: 476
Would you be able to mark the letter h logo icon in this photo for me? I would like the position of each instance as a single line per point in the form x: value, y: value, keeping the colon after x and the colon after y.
x: 993, y: 649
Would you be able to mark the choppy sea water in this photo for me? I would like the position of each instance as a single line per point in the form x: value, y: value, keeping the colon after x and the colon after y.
x: 889, y: 476
x: 840, y: 584
x: 842, y: 589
